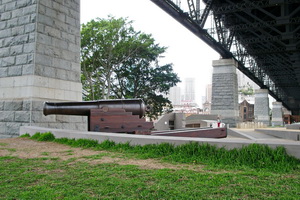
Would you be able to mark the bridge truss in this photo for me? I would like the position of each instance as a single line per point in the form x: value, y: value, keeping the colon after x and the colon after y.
x: 261, y: 35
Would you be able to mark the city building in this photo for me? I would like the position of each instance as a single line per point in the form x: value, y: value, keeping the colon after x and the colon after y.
x: 189, y: 90
x: 175, y: 95
x: 206, y: 100
x: 246, y: 110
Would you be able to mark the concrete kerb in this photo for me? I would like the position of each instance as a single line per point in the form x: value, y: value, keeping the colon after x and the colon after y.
x: 292, y: 147
x: 288, y: 134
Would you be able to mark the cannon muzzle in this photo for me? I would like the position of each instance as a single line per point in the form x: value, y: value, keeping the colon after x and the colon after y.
x: 136, y: 106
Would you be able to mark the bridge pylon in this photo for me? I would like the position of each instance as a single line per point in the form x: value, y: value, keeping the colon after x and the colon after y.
x: 225, y: 91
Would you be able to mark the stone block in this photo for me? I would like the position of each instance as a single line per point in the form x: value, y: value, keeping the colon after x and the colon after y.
x: 5, y: 16
x: 5, y: 33
x: 33, y: 17
x: 27, y: 105
x: 15, y: 71
x: 71, y: 119
x: 20, y: 39
x: 49, y: 72
x: 29, y: 9
x: 10, y: 6
x: 29, y: 47
x: 3, y: 24
x: 4, y: 52
x: 17, y: 13
x: 23, y: 3
x: 12, y: 23
x: 8, y: 61
x: 25, y: 19
x: 44, y: 60
x: 62, y: 64
x: 39, y: 117
x: 37, y: 105
x: 1, y: 105
x: 2, y: 128
x: 13, y: 105
x: 22, y: 116
x: 12, y: 128
x: 21, y: 59
x: 63, y: 45
x: 16, y: 50
x: 46, y: 20
x: 28, y: 69
x: 29, y: 28
x: 6, y: 116
x: 68, y: 37
x: 3, y: 71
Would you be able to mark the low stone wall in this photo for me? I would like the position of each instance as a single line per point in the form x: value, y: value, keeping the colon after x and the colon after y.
x: 292, y: 147
x: 251, y: 125
x: 293, y: 126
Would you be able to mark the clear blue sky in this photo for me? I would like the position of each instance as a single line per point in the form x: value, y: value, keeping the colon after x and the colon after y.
x: 189, y: 55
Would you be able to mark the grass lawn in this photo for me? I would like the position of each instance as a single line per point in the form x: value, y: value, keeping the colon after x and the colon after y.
x: 201, y: 178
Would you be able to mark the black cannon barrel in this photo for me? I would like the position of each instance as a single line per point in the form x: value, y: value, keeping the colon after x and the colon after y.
x: 136, y: 106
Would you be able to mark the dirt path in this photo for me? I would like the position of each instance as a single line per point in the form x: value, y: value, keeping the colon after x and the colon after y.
x: 26, y: 148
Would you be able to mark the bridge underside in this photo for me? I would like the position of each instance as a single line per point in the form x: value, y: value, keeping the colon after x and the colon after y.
x: 262, y: 35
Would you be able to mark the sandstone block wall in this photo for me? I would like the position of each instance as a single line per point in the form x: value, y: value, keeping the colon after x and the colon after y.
x: 261, y: 106
x: 277, y: 114
x: 225, y: 91
x: 39, y: 61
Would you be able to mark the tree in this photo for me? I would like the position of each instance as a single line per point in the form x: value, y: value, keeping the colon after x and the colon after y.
x: 119, y: 62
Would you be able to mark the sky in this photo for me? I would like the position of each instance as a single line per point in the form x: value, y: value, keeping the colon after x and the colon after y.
x: 191, y: 57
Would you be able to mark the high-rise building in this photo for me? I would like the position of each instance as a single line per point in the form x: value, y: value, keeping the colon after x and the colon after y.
x: 175, y: 95
x: 206, y: 102
x: 189, y: 90
x: 208, y: 92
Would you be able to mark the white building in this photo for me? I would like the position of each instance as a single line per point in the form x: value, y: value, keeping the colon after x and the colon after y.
x: 175, y: 95
x: 189, y: 90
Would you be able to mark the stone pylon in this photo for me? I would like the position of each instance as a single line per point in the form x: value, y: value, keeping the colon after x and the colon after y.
x: 225, y: 91
x: 261, y: 106
x: 277, y: 114
x: 39, y: 61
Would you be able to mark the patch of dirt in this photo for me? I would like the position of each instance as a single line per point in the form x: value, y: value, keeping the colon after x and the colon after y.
x: 26, y: 148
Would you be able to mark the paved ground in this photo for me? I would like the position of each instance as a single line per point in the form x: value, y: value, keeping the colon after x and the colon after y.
x: 254, y: 135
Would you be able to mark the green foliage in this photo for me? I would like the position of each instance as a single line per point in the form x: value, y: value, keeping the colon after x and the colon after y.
x: 36, y: 136
x: 119, y: 62
x: 47, y: 136
x: 26, y: 135
x: 247, y: 91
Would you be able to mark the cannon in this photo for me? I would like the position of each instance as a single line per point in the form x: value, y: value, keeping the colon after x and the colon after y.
x: 136, y: 106
x: 115, y: 115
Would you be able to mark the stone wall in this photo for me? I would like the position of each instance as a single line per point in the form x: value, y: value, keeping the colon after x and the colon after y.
x: 261, y: 106
x: 225, y: 91
x: 39, y: 61
x: 277, y: 114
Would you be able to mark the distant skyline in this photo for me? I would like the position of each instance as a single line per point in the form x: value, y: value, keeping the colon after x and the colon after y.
x: 191, y: 57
